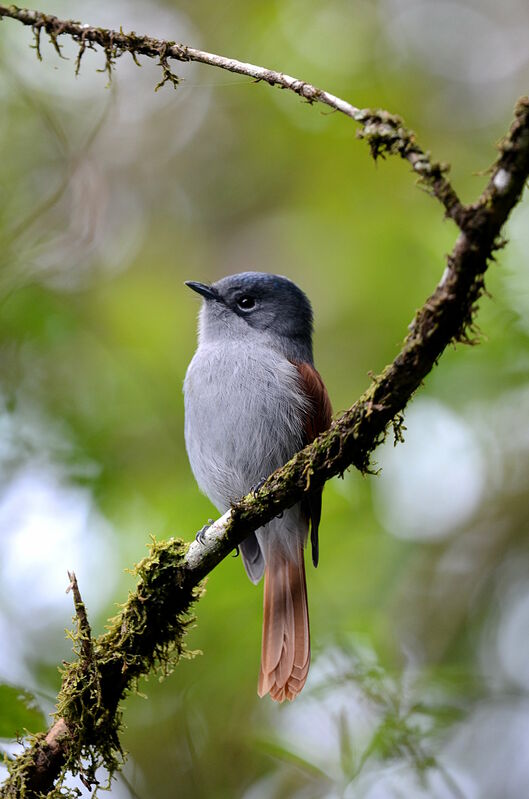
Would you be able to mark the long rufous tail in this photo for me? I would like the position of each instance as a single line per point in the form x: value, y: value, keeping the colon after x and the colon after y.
x: 285, y: 654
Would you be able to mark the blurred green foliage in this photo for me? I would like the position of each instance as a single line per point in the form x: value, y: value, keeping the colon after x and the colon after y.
x: 19, y: 713
x: 111, y: 198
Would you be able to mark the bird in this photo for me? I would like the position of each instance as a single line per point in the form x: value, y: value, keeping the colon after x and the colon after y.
x: 252, y: 399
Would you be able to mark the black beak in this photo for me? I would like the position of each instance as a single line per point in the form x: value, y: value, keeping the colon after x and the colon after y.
x: 202, y: 288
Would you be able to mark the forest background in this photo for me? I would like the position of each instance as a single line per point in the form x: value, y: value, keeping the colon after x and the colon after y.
x: 111, y: 198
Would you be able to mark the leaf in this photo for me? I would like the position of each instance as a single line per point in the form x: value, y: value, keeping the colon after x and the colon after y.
x: 18, y: 712
x: 277, y: 750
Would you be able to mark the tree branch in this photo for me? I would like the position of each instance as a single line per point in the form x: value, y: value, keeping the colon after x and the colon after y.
x: 384, y: 132
x: 149, y: 630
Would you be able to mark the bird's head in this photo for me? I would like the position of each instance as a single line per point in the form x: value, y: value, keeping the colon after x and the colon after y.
x: 254, y: 304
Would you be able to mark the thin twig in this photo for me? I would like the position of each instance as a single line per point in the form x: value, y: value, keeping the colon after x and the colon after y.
x: 84, y: 629
x: 385, y: 132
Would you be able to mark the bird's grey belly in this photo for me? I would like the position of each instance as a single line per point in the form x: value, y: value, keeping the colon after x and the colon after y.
x: 244, y: 418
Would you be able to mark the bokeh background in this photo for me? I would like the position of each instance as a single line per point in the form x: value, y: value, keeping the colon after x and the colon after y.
x: 111, y: 197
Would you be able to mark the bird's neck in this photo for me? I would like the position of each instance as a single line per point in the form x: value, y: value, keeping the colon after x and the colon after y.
x: 293, y: 348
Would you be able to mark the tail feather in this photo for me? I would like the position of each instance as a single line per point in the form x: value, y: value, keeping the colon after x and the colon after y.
x: 285, y: 654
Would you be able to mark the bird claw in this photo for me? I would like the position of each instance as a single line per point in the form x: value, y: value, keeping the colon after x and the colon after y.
x: 202, y: 532
x: 255, y: 488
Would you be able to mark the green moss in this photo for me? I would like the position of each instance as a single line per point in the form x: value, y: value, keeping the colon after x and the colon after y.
x: 385, y: 133
x: 168, y: 75
x: 147, y: 634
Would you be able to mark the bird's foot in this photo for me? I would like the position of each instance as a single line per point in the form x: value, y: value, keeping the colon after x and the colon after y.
x: 255, y: 488
x: 202, y: 532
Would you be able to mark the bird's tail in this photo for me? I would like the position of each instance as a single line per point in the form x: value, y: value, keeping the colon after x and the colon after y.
x: 285, y: 653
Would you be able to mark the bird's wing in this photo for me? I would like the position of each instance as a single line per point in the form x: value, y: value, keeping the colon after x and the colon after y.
x: 318, y: 419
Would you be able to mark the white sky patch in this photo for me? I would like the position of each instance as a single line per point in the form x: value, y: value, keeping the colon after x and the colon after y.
x: 48, y: 525
x: 13, y: 669
x: 435, y: 480
x: 512, y: 640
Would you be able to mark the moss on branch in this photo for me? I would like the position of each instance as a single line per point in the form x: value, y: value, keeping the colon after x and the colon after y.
x: 146, y: 635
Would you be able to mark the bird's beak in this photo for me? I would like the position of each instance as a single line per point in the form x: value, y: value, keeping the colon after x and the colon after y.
x: 201, y: 288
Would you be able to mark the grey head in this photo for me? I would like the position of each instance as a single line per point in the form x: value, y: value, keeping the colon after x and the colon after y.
x: 257, y: 305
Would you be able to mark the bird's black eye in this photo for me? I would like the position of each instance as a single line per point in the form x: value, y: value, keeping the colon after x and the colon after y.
x: 246, y: 303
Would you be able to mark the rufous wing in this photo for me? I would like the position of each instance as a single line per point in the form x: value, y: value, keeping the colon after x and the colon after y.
x: 317, y: 420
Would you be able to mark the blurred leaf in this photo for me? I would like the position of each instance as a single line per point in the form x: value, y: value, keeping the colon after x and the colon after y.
x: 348, y: 759
x: 441, y: 715
x: 277, y: 750
x: 18, y: 712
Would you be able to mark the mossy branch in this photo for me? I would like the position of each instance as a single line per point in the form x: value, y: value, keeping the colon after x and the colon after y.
x: 148, y: 632
x: 384, y: 132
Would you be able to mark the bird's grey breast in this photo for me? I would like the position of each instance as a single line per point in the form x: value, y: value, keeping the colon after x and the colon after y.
x: 244, y: 416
